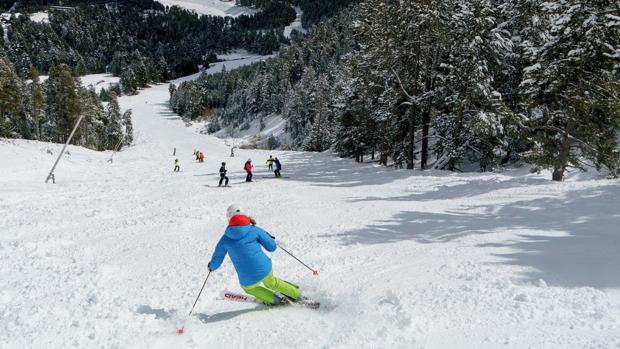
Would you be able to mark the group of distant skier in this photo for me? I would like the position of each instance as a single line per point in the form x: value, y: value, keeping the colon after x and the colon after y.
x: 249, y: 168
x: 200, y: 156
x: 271, y: 161
x: 273, y: 164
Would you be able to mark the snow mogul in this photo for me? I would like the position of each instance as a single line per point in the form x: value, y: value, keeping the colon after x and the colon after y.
x: 242, y: 241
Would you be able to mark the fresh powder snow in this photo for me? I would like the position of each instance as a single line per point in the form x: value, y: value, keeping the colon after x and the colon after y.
x: 113, y: 254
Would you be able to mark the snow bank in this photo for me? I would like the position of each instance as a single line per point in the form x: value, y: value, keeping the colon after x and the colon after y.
x: 211, y: 7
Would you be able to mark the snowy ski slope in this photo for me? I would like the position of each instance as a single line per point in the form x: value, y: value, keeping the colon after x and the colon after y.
x: 113, y: 255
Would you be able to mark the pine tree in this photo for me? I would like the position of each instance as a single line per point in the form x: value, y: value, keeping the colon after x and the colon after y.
x: 80, y: 68
x: 114, y: 126
x: 118, y: 63
x: 129, y: 83
x: 10, y: 97
x: 37, y: 103
x: 61, y: 103
x: 128, y: 124
x: 572, y: 87
x: 320, y: 136
x: 163, y: 72
x: 470, y: 125
x: 139, y: 69
x: 95, y: 120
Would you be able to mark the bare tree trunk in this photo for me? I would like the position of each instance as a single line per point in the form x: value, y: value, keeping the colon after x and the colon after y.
x: 383, y: 159
x: 426, y: 120
x: 412, y: 115
x: 562, y: 160
x: 426, y: 114
x: 411, y: 143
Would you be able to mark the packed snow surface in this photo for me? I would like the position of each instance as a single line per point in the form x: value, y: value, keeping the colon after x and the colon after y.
x: 211, y: 7
x: 114, y: 254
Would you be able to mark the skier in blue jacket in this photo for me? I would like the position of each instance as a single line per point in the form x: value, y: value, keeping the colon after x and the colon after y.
x: 243, y: 242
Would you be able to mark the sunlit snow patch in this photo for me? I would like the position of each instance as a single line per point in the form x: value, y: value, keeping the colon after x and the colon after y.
x: 211, y: 7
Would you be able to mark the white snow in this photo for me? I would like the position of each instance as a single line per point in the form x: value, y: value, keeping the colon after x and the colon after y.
x: 234, y: 55
x: 40, y: 17
x: 296, y: 25
x: 113, y: 255
x: 211, y: 7
x: 99, y: 81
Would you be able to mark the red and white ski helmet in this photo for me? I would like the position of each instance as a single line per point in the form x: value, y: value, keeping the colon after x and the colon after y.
x: 234, y: 210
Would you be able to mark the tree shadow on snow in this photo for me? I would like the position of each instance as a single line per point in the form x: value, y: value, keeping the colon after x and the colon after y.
x: 572, y: 240
x: 467, y: 188
x: 328, y: 170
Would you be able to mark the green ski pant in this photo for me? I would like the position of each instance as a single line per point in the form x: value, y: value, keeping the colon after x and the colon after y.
x: 272, y: 284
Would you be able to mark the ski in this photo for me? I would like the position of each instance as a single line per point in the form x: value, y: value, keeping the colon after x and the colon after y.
x: 243, y: 298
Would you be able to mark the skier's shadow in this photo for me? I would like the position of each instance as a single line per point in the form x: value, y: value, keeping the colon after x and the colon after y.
x: 227, y: 315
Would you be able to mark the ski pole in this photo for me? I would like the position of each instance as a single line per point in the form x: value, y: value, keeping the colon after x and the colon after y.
x: 199, y: 293
x: 181, y: 329
x: 314, y: 272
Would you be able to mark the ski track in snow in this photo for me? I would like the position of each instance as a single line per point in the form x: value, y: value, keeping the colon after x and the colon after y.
x: 113, y: 255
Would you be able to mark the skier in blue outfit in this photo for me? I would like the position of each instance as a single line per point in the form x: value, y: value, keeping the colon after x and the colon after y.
x: 278, y: 168
x: 243, y: 241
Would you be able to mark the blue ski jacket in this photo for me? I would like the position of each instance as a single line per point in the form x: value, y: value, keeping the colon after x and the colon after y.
x: 242, y: 242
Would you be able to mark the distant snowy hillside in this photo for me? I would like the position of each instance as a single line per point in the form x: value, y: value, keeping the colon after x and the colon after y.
x: 211, y: 7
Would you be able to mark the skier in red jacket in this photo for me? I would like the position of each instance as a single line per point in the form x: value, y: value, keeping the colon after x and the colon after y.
x: 248, y: 168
